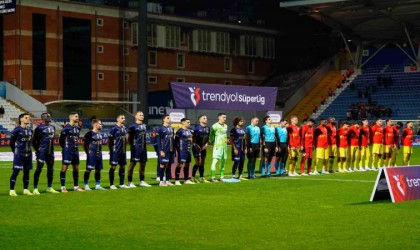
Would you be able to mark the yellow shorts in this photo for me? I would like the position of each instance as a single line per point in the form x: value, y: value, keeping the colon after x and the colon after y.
x: 332, y: 150
x: 364, y: 150
x: 294, y: 153
x: 322, y: 153
x: 387, y: 149
x: 377, y: 149
x: 343, y: 152
x: 407, y: 149
x: 354, y: 151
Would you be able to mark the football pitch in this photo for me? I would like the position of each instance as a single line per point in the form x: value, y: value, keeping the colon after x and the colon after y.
x: 312, y: 212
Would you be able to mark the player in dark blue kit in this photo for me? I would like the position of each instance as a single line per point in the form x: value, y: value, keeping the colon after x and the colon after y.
x: 21, y: 143
x: 69, y: 143
x: 92, y: 144
x: 200, y: 135
x: 137, y: 140
x: 183, y: 141
x: 44, y: 150
x: 117, y: 141
x: 237, y: 139
x: 165, y: 144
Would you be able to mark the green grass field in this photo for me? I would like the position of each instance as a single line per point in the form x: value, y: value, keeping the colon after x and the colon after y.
x: 322, y: 212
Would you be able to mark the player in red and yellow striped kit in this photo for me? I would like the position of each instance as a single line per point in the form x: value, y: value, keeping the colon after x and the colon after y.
x: 321, y: 145
x: 364, y: 151
x: 307, y: 142
x: 332, y: 143
x: 407, y: 143
x: 294, y: 145
x: 353, y: 136
x: 342, y: 147
x: 390, y: 142
x: 377, y: 140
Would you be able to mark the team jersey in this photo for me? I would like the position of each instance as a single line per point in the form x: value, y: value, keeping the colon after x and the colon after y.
x: 332, y: 134
x: 238, y: 135
x: 353, y: 136
x: 117, y: 137
x: 137, y: 134
x: 165, y: 139
x: 218, y: 135
x: 69, y: 137
x: 343, y: 138
x: 253, y: 133
x: 43, y: 139
x: 200, y: 135
x: 307, y: 136
x: 407, y: 137
x: 268, y: 133
x: 389, y: 135
x: 183, y: 138
x: 93, y: 143
x: 281, y: 134
x: 293, y: 134
x: 21, y: 141
x: 364, y: 136
x: 321, y: 137
x: 377, y: 134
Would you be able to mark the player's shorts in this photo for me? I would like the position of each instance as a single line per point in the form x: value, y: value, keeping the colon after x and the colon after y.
x: 44, y: 157
x: 184, y: 156
x: 271, y: 146
x: 22, y: 162
x: 294, y: 153
x: 255, y: 153
x: 386, y: 149
x: 118, y: 159
x: 138, y: 155
x: 343, y: 152
x: 309, y: 153
x: 364, y: 150
x: 354, y: 151
x: 322, y: 153
x: 407, y: 149
x: 94, y: 162
x: 282, y: 152
x: 239, y: 157
x: 220, y: 153
x: 168, y: 159
x: 199, y: 153
x: 377, y: 149
x: 332, y: 151
x: 70, y: 157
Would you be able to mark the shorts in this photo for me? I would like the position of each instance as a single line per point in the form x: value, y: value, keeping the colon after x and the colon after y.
x: 282, y: 152
x: 240, y: 157
x: 199, y: 153
x: 386, y: 149
x: 184, y: 156
x: 271, y: 146
x: 138, y: 155
x: 407, y: 149
x: 294, y: 153
x: 44, y: 157
x: 71, y: 157
x: 168, y: 159
x: 332, y: 151
x: 22, y: 162
x: 343, y: 152
x: 354, y: 151
x: 118, y: 159
x: 255, y: 153
x: 377, y: 149
x: 94, y: 162
x: 364, y: 150
x: 322, y: 153
x: 220, y: 153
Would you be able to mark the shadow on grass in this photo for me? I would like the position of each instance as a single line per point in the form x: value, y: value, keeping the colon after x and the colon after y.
x: 369, y: 203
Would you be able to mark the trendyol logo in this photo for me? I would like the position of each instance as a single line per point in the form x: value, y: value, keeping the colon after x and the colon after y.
x: 195, y: 95
x: 401, y: 185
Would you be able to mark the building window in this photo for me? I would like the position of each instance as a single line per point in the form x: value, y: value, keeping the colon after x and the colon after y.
x: 126, y: 51
x: 222, y: 43
x: 100, y: 49
x: 152, y: 80
x: 268, y: 48
x: 180, y: 60
x: 228, y: 82
x: 126, y: 77
x: 228, y: 64
x: 180, y: 79
x: 99, y: 21
x: 172, y: 37
x: 251, y: 66
x: 101, y: 76
x: 126, y: 25
x: 202, y: 40
x: 134, y: 34
x: 151, y: 35
x: 39, y: 65
x: 183, y: 37
x: 152, y: 58
x: 248, y: 46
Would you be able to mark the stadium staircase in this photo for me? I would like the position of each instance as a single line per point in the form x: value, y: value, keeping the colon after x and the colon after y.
x: 11, y: 114
x: 314, y: 96
x: 401, y: 96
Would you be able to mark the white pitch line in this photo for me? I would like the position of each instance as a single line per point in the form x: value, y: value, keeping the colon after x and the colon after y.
x: 311, y: 179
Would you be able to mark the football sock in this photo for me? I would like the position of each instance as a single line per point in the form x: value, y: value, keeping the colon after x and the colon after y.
x: 241, y: 168
x: 222, y: 168
x: 194, y: 170
x: 111, y: 176
x: 177, y: 173
x: 50, y: 175
x: 25, y: 179
x: 63, y: 178
x: 161, y: 172
x: 201, y: 170
x: 277, y: 167
x: 309, y: 165
x: 234, y: 167
x: 302, y: 164
x: 37, y: 173
x: 168, y: 172
x: 186, y: 172
x: 142, y: 177
x: 86, y: 177
x: 13, y: 177
x: 97, y: 177
x: 130, y: 178
x: 248, y: 168
x: 121, y: 174
x: 213, y: 173
x: 253, y: 168
x: 282, y: 167
x: 76, y: 178
x: 267, y: 167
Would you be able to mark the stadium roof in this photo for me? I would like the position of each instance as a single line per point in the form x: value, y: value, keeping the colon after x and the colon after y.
x: 370, y: 20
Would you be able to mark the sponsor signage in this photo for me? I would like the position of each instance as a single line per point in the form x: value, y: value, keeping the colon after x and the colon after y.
x: 223, y: 97
x: 398, y: 184
x: 158, y: 102
x: 175, y: 115
x: 275, y: 117
x: 7, y: 6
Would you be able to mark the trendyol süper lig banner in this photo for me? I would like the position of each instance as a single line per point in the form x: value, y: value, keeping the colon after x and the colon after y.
x: 224, y: 97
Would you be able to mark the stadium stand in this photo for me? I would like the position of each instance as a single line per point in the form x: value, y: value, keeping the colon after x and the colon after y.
x: 7, y: 123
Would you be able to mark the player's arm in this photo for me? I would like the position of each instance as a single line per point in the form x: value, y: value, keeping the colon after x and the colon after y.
x: 397, y: 145
x: 212, y: 136
x: 131, y: 135
x: 232, y: 140
x: 37, y: 139
x: 86, y: 141
x: 62, y: 138
x: 13, y: 137
x: 177, y: 140
x: 247, y: 138
x: 111, y: 139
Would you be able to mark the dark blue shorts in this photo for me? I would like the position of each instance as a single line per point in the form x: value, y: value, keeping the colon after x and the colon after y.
x: 71, y: 157
x: 118, y: 159
x: 44, y: 157
x: 184, y: 156
x: 199, y: 153
x: 22, y: 162
x: 138, y: 155
x: 239, y: 157
x: 94, y: 162
x: 168, y: 159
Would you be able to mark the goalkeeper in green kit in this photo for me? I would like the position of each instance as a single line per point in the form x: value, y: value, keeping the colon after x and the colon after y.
x: 218, y: 136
